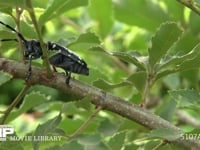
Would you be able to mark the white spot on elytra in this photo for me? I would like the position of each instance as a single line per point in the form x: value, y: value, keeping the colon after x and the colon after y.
x: 54, y: 46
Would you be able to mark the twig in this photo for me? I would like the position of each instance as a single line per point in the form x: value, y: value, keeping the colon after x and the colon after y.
x: 17, y: 21
x: 38, y: 31
x: 190, y: 4
x: 14, y: 103
x: 99, y: 98
x: 161, y: 144
x: 85, y: 124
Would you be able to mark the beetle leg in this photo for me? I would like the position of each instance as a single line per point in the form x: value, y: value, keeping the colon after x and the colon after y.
x: 54, y: 68
x: 29, y: 72
x: 68, y: 76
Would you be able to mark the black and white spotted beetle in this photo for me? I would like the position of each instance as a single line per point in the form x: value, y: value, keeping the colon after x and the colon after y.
x: 64, y: 59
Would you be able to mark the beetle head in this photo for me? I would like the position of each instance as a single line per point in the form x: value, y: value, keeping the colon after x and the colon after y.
x: 32, y: 48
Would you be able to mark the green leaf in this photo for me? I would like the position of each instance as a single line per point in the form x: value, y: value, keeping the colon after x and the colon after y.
x: 165, y: 133
x: 92, y: 141
x: 174, y: 10
x: 117, y: 141
x: 194, y: 21
x: 7, y: 35
x: 72, y: 144
x: 177, y: 60
x: 27, y: 30
x: 142, y: 13
x: 164, y: 38
x: 130, y: 57
x: 11, y: 145
x: 58, y: 7
x: 103, y: 17
x: 181, y: 63
x: 85, y: 41
x: 105, y: 85
x: 187, y: 41
x: 167, y: 109
x: 88, y: 139
x: 190, y: 64
x: 31, y: 100
x: 6, y: 10
x: 138, y: 79
x: 13, y: 3
x: 165, y: 73
x: 46, y: 128
x: 186, y: 98
x: 108, y: 128
x: 195, y: 132
x: 84, y: 103
x: 4, y: 77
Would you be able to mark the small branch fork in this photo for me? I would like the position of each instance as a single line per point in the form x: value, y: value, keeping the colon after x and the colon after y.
x: 100, y: 98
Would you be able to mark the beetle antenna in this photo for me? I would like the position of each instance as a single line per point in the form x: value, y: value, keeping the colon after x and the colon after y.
x: 11, y: 28
x: 4, y: 40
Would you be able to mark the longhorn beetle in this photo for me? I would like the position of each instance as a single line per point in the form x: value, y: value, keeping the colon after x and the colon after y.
x: 64, y: 59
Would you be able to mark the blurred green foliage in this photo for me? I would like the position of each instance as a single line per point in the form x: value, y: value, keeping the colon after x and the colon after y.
x: 126, y: 43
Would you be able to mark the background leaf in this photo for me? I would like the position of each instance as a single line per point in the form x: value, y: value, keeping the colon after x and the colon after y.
x: 103, y: 17
x: 142, y: 13
x: 165, y: 133
x: 30, y: 101
x: 20, y: 3
x: 138, y: 79
x: 46, y: 128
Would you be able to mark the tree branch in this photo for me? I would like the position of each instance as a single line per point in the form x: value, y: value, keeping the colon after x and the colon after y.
x: 98, y: 97
x: 190, y: 4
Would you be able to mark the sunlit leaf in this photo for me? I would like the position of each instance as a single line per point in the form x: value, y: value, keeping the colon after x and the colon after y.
x: 117, y: 141
x: 165, y: 133
x: 58, y: 7
x: 4, y: 77
x: 186, y: 98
